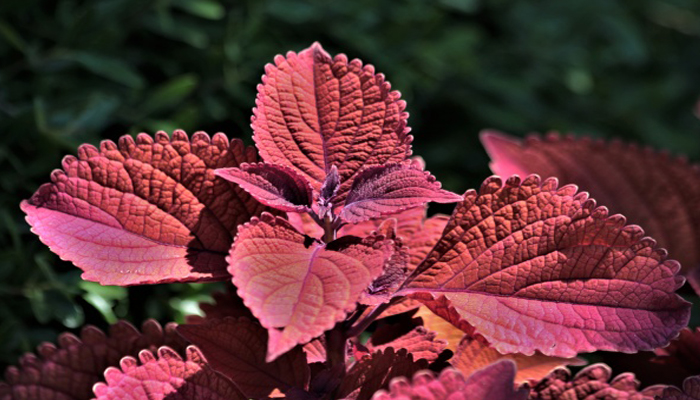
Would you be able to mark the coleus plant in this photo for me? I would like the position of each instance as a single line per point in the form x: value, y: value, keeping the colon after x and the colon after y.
x: 324, y: 235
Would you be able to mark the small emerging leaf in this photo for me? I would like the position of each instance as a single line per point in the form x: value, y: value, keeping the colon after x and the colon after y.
x: 298, y: 287
x: 275, y: 186
x: 390, y: 188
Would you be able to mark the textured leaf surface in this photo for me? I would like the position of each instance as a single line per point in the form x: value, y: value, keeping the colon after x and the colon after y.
x: 417, y: 232
x: 654, y: 190
x: 691, y: 390
x: 536, y: 267
x: 390, y: 188
x: 236, y: 347
x: 146, y: 210
x: 592, y: 382
x: 492, y: 383
x: 314, y: 111
x: 475, y: 353
x: 166, y: 376
x: 407, y: 334
x: 276, y: 186
x: 374, y: 372
x: 68, y: 371
x: 298, y: 287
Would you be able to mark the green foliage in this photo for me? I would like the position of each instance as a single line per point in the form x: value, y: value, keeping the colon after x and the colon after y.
x: 82, y: 71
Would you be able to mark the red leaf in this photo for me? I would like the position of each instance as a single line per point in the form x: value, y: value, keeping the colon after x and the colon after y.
x: 314, y: 111
x: 395, y: 270
x: 492, y: 383
x: 236, y: 347
x: 592, y: 382
x: 652, y: 189
x: 297, y: 287
x: 388, y: 189
x: 166, y: 376
x: 68, y: 371
x: 273, y: 185
x: 374, y: 371
x: 536, y: 267
x: 145, y: 211
x: 691, y: 390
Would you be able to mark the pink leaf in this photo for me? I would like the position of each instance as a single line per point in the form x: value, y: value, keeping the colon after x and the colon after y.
x: 419, y: 342
x: 390, y: 188
x: 417, y: 232
x: 314, y: 112
x: 297, y: 287
x: 68, y: 371
x: 236, y: 347
x: 592, y: 382
x: 395, y: 270
x: 145, y: 211
x: 494, y: 382
x: 536, y: 267
x: 691, y: 390
x: 374, y: 372
x: 275, y: 186
x: 652, y: 189
x: 166, y: 376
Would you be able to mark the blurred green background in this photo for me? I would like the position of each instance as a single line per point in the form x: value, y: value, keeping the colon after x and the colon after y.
x: 82, y: 71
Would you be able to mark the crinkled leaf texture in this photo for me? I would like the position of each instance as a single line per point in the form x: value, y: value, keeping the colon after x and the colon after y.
x: 68, y: 371
x: 166, y: 376
x: 536, y: 267
x: 494, y: 382
x: 691, y: 390
x: 418, y: 340
x: 275, y: 186
x: 390, y: 188
x: 314, y: 111
x: 592, y: 382
x: 296, y: 286
x: 236, y: 347
x: 374, y: 372
x: 145, y: 210
x: 654, y: 190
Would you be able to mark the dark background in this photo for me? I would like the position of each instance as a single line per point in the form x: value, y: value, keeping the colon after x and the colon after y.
x: 82, y: 71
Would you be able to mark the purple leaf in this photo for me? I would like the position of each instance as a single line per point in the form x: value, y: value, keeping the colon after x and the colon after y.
x: 275, y: 186
x: 236, y: 347
x: 388, y: 189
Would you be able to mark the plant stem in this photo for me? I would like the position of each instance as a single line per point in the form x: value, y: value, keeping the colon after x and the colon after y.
x: 328, y: 229
x: 367, y: 321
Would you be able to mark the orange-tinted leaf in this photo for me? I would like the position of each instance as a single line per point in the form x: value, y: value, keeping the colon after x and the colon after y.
x: 314, y: 111
x: 536, y: 267
x: 166, y: 377
x: 474, y: 353
x: 652, y: 189
x: 236, y: 347
x: 298, y: 287
x: 146, y: 210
